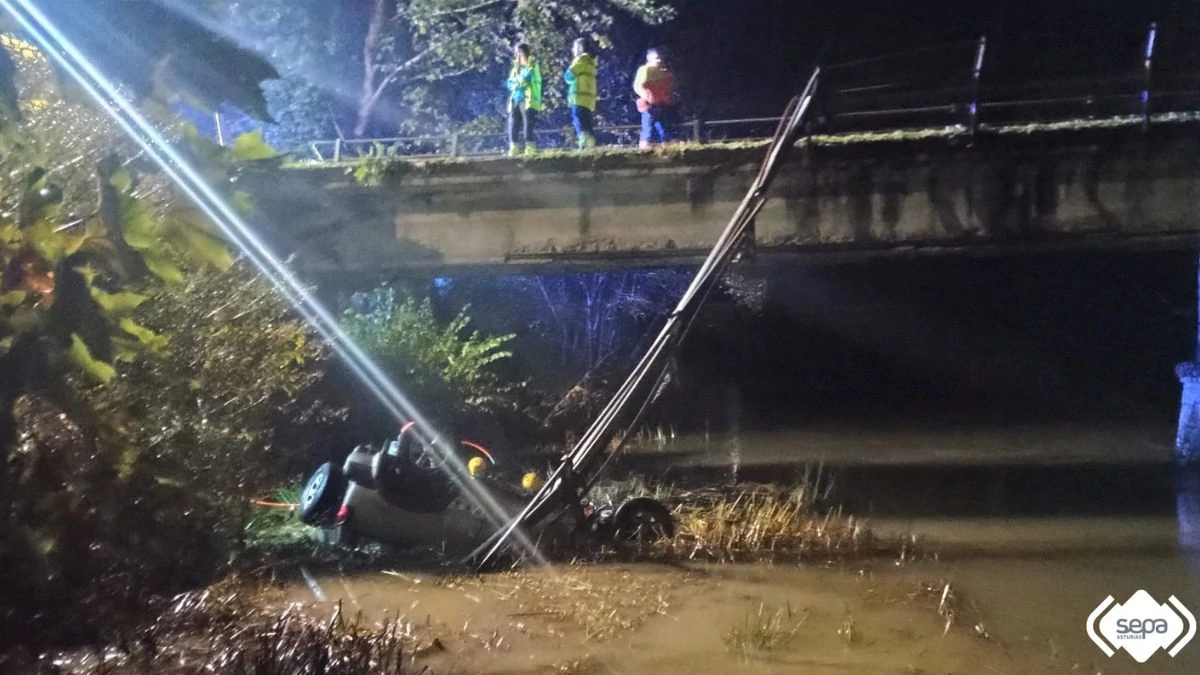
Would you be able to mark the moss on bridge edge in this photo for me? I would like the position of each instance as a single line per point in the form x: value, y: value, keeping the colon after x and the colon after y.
x: 376, y: 170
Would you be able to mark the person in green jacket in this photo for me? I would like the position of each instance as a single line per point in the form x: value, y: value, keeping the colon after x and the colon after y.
x: 581, y: 93
x: 524, y: 100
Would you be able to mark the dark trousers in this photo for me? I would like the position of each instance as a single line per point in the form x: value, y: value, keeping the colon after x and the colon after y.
x: 585, y: 123
x: 657, y: 120
x: 520, y: 126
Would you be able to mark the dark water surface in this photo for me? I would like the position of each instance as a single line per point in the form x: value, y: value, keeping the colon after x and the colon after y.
x: 1037, y: 524
x: 1031, y: 527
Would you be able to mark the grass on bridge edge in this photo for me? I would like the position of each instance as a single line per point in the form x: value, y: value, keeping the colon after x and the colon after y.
x: 724, y: 152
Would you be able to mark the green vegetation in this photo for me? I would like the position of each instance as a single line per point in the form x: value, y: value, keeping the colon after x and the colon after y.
x: 276, y: 527
x: 371, y: 168
x: 147, y: 383
x: 413, y: 59
x: 384, y: 163
x: 236, y: 402
x: 448, y: 368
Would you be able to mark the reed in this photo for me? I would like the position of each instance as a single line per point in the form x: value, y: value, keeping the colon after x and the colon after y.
x: 223, y: 630
x: 767, y: 523
x: 763, y: 630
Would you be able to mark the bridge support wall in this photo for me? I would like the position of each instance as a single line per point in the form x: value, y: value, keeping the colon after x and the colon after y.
x: 1187, y: 438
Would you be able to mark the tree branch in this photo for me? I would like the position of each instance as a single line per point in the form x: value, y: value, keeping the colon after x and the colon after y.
x: 487, y: 4
x: 413, y: 61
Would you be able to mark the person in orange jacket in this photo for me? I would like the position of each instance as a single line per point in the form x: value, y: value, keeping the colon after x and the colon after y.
x: 654, y: 84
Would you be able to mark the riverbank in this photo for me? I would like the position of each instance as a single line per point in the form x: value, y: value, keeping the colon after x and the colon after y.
x: 986, y: 595
x: 1006, y: 593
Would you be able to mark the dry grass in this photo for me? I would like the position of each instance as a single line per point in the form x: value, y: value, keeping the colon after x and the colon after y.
x: 766, y: 524
x: 941, y: 598
x: 763, y: 630
x: 224, y: 630
x: 596, y: 600
x: 295, y: 643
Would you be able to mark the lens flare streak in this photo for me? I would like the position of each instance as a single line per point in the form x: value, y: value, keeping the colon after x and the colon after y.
x: 76, y: 64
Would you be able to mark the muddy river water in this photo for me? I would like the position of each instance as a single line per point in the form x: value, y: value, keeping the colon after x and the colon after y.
x: 1027, y: 561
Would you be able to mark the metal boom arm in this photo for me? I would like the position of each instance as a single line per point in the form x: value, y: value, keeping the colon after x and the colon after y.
x: 580, y: 467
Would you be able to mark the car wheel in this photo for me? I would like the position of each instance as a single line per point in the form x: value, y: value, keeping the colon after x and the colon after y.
x: 642, y: 519
x: 321, y: 495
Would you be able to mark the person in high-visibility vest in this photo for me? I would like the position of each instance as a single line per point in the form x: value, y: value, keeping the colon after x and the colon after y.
x: 524, y: 100
x: 581, y: 93
x: 655, y: 86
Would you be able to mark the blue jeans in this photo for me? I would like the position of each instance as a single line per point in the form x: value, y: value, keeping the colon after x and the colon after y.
x: 585, y: 124
x: 521, y: 122
x: 656, y: 120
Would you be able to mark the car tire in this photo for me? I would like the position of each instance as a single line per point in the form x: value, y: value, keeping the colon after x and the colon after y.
x: 321, y: 495
x: 642, y: 519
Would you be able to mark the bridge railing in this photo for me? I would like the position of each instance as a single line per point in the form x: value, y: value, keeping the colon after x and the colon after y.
x: 952, y: 85
x: 491, y: 144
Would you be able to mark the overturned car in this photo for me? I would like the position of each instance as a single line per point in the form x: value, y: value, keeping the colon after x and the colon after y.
x: 409, y: 493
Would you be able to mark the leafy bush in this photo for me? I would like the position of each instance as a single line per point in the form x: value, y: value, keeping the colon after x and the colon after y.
x: 146, y: 383
x: 140, y: 485
x: 444, y: 368
x: 273, y: 527
x: 234, y: 403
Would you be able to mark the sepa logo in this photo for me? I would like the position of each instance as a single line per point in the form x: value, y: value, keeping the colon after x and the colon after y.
x: 1141, y: 626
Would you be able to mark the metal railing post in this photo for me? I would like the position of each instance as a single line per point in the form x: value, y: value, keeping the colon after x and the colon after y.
x: 1147, y: 69
x: 337, y: 149
x: 697, y: 130
x: 220, y: 131
x: 454, y: 144
x: 976, y: 72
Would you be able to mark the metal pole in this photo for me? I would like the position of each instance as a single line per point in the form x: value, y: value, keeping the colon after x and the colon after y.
x: 220, y: 132
x: 697, y: 130
x: 976, y: 72
x: 1147, y: 69
x: 454, y: 144
x: 337, y: 150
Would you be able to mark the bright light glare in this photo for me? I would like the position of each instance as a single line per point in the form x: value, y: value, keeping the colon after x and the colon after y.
x: 58, y: 47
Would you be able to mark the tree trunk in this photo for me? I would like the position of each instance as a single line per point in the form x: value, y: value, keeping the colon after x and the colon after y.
x: 367, y: 97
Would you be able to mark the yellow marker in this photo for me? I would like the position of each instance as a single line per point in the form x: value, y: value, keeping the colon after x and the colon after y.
x: 531, y: 481
x: 476, y: 466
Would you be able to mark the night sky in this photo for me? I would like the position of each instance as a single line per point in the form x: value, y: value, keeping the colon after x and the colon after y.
x: 749, y: 57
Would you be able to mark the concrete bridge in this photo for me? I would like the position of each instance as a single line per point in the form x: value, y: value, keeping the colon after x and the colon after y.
x: 1080, y: 184
x: 1084, y: 183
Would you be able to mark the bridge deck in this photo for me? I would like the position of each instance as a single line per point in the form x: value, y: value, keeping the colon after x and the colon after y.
x: 1092, y: 182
